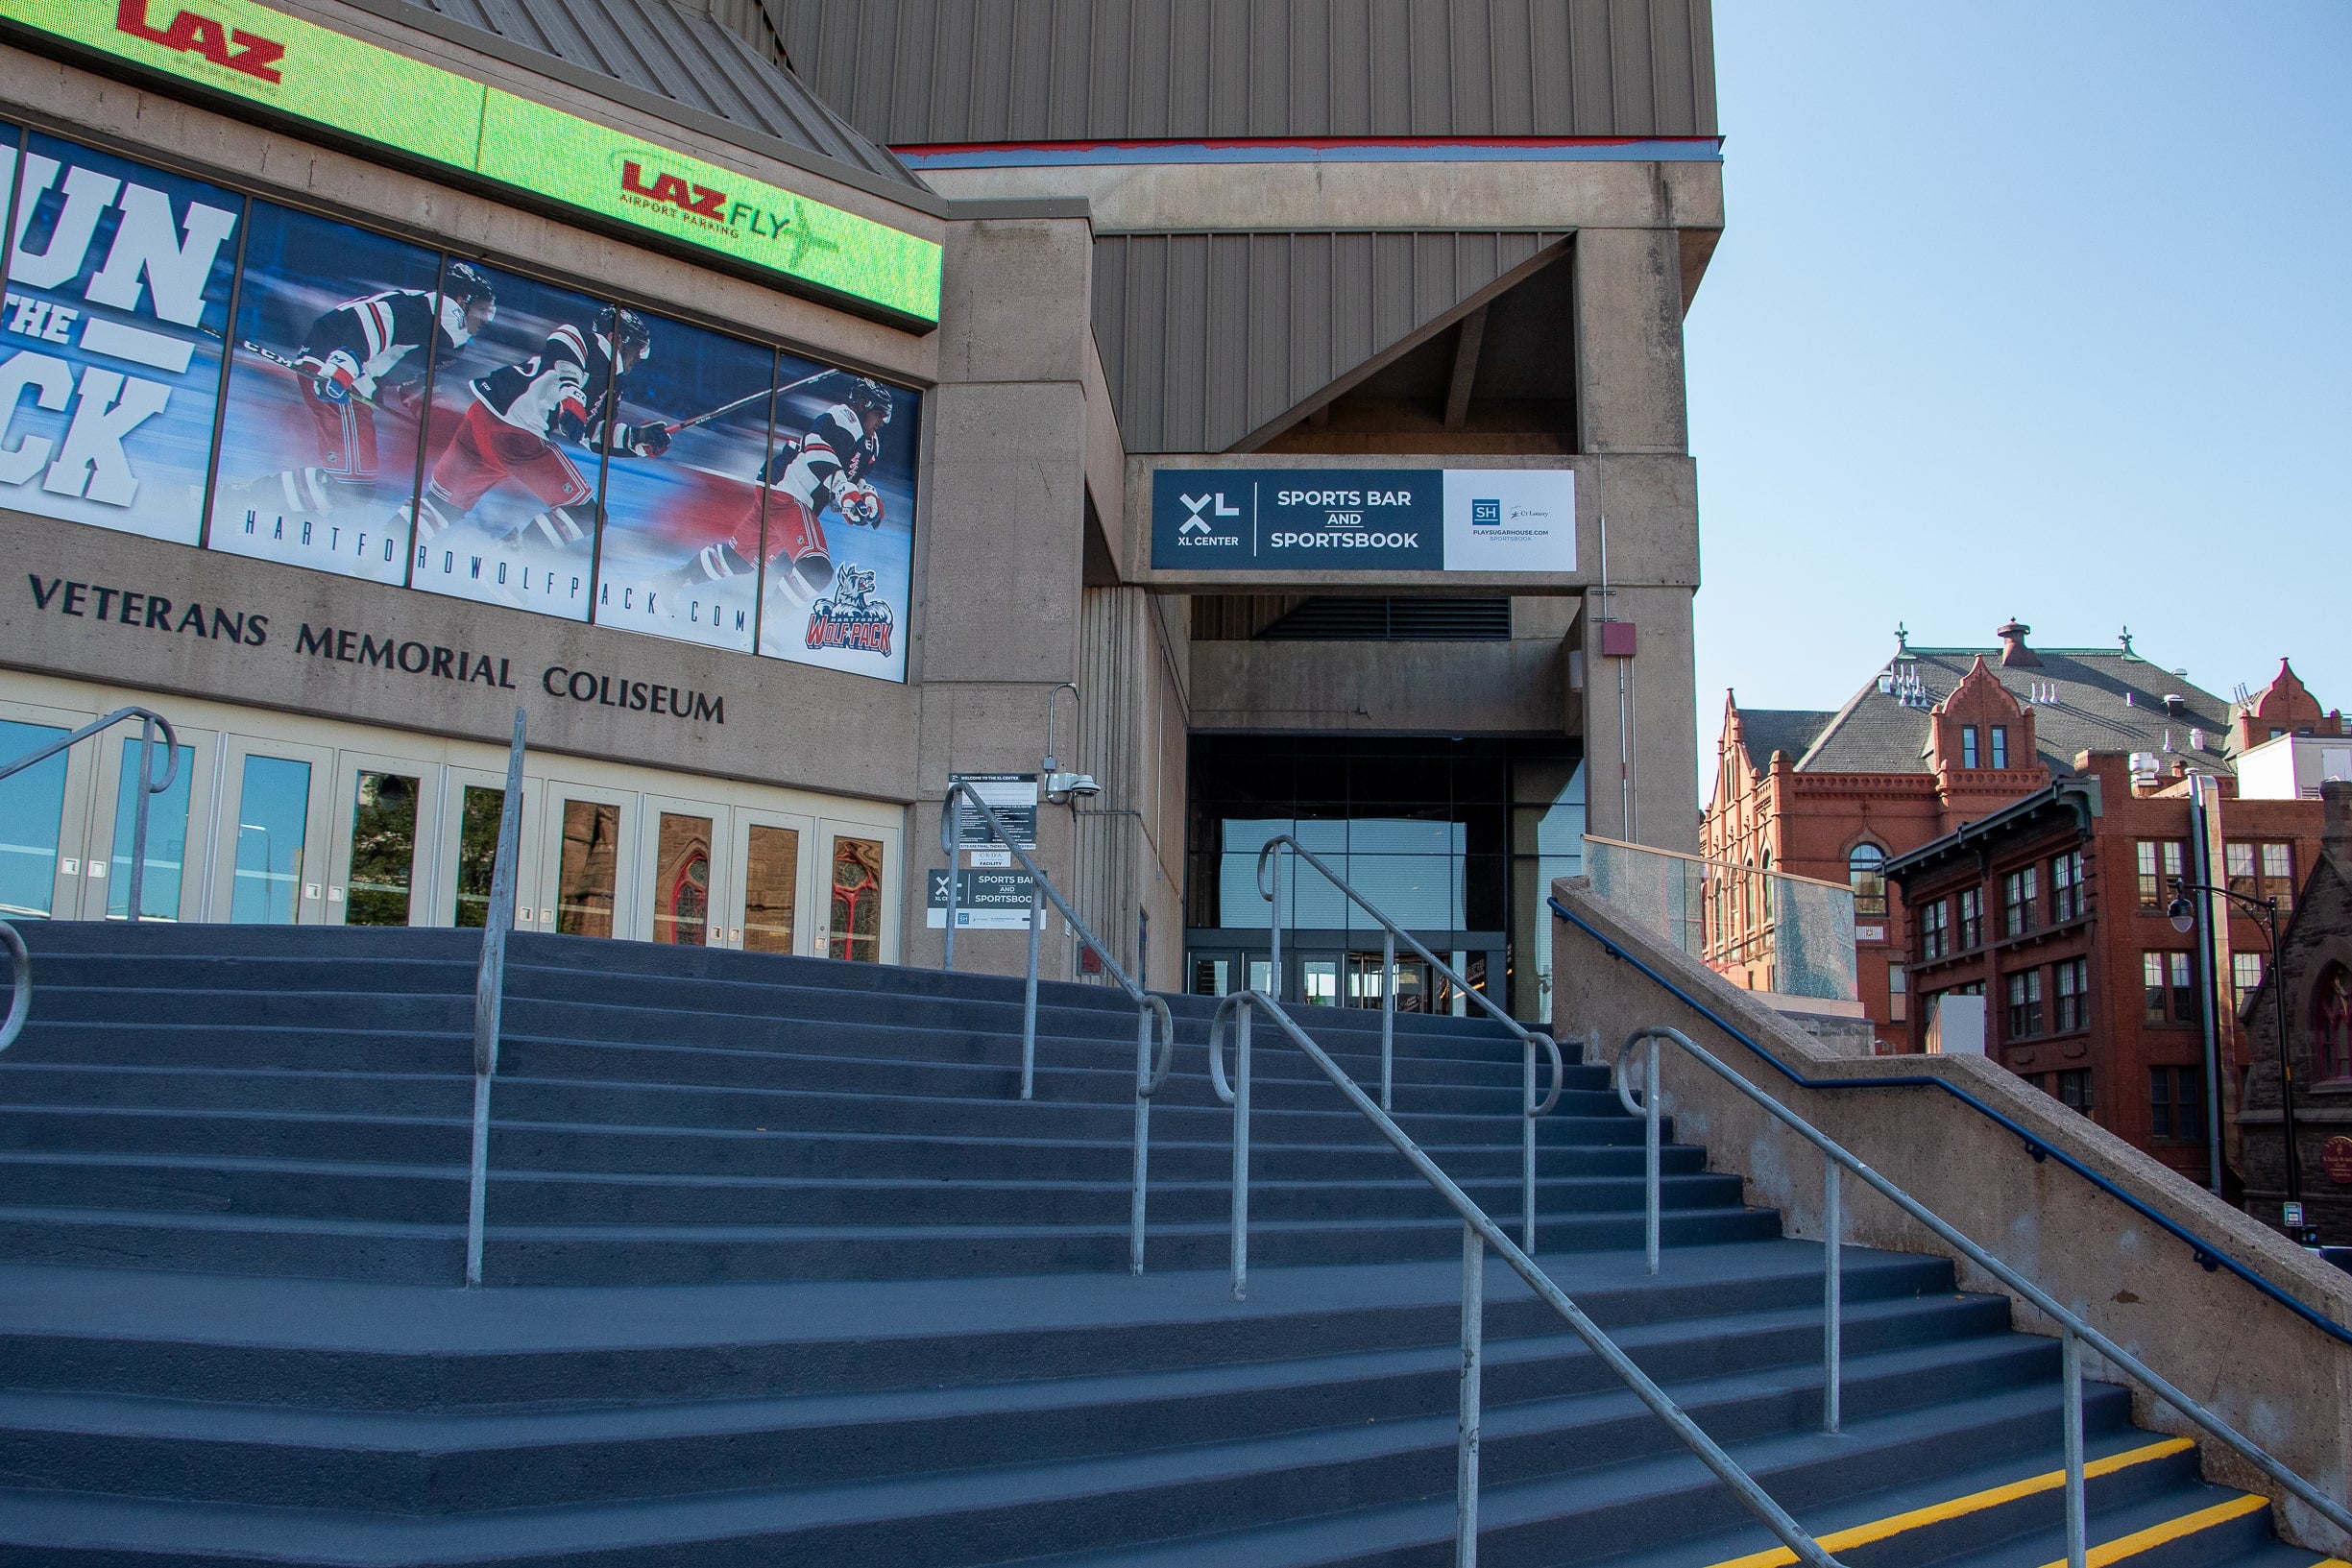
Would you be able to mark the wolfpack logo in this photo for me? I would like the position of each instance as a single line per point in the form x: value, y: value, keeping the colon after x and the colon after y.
x: 1486, y: 513
x: 853, y: 617
x: 191, y: 33
x: 1195, y: 525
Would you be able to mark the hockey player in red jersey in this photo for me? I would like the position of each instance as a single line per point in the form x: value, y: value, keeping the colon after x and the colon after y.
x: 567, y: 392
x: 354, y: 358
x: 827, y: 467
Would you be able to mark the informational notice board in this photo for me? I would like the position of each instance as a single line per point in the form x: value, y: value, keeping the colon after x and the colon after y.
x: 1011, y: 796
x: 986, y: 900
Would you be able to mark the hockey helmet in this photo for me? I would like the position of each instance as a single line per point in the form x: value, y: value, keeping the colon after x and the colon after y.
x: 624, y: 329
x: 868, y: 394
x: 468, y: 303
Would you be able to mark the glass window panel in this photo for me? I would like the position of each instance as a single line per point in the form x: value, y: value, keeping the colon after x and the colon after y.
x: 273, y: 812
x: 509, y: 510
x: 588, y: 877
x: 1548, y: 782
x: 681, y: 555
x: 144, y: 347
x: 336, y: 329
x: 167, y: 836
x: 31, y: 813
x: 1319, y: 983
x: 383, y: 850
x: 1557, y: 830
x: 477, y: 854
x: 682, y: 879
x: 772, y: 883
x: 856, y: 930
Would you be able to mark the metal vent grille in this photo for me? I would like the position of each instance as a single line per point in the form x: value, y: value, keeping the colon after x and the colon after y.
x: 1334, y: 619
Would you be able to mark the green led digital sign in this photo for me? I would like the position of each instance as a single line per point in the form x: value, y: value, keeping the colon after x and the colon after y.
x: 377, y: 95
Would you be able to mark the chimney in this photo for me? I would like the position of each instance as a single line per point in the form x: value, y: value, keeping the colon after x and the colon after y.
x: 2175, y: 705
x: 2013, y: 649
x: 2335, y: 821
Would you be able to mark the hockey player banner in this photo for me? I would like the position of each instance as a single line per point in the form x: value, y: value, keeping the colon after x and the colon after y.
x: 336, y: 330
x: 688, y: 435
x: 839, y: 541
x: 1489, y: 521
x: 514, y: 446
x: 362, y: 90
x: 117, y: 297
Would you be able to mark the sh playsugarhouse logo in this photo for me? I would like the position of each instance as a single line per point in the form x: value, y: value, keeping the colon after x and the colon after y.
x: 642, y: 186
x: 193, y: 32
x: 1486, y: 513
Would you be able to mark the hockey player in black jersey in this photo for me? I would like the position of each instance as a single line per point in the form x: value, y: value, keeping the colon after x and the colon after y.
x: 827, y: 467
x: 569, y: 392
x: 360, y: 356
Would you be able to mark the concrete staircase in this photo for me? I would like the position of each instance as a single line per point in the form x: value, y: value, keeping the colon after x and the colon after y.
x: 782, y: 1272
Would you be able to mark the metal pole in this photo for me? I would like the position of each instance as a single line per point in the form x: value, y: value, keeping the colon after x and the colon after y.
x: 2286, y: 1065
x: 1650, y: 1179
x: 2077, y: 1531
x: 1388, y: 1012
x: 489, y: 997
x: 1833, y: 1296
x: 1028, y: 1000
x: 2200, y: 870
x: 1274, y: 979
x: 1527, y: 1150
x: 1465, y: 1441
x: 134, y: 910
x: 953, y: 855
x: 1240, y: 1152
x: 1143, y: 1139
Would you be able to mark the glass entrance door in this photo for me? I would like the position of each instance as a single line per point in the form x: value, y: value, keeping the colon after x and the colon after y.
x: 270, y: 851
x: 171, y: 890
x: 376, y: 877
x: 774, y: 905
x: 862, y: 919
x: 41, y: 822
x: 683, y: 852
x: 472, y: 804
x: 589, y: 884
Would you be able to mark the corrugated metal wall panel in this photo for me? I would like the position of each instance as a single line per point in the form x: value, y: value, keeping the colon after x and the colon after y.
x: 1085, y: 70
x: 1207, y: 338
x: 718, y: 60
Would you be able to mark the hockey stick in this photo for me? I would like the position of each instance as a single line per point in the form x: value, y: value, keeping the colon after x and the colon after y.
x: 729, y: 408
x: 283, y: 363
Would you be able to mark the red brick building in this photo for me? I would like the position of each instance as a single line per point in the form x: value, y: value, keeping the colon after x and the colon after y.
x: 1937, y: 737
x: 2055, y: 909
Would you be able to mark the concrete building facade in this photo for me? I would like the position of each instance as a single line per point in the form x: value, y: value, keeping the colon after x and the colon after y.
x: 779, y: 477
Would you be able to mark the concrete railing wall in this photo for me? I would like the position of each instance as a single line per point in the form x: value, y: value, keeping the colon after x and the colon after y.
x: 2276, y: 1378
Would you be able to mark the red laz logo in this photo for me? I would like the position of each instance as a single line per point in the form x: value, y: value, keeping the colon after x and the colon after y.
x: 700, y: 199
x: 194, y: 34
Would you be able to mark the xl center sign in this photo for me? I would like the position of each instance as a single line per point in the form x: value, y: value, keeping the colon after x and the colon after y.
x: 1363, y: 520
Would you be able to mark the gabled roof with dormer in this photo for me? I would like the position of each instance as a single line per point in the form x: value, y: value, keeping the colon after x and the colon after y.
x: 2083, y: 699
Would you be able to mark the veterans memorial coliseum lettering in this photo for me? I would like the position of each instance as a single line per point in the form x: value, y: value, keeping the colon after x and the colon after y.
x: 638, y: 696
x: 153, y: 612
x: 350, y: 647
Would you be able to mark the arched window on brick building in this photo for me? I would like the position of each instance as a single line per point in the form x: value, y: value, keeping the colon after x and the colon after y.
x: 2332, y: 1025
x: 1866, y: 871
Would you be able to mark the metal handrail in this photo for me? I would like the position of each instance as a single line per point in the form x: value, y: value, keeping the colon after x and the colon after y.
x: 20, y: 959
x: 2074, y: 1331
x: 1479, y: 1232
x: 2206, y: 1254
x: 1149, y: 1075
x: 490, y: 997
x: 1391, y: 932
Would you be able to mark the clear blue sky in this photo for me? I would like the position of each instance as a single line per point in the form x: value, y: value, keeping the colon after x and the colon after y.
x: 2026, y: 309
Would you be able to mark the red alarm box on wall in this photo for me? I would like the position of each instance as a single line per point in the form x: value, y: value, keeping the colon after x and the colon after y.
x: 1617, y: 640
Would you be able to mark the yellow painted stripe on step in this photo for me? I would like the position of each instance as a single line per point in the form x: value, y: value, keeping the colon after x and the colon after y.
x: 2333, y: 1562
x: 1878, y: 1529
x: 2171, y: 1530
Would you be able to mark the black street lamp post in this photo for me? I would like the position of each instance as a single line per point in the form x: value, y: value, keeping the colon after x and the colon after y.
x: 2184, y: 920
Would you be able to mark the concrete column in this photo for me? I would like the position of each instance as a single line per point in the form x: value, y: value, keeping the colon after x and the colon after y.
x: 1629, y: 340
x: 1001, y: 550
x: 1647, y: 794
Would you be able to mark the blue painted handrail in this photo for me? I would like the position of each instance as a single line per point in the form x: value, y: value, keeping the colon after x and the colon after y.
x: 2208, y: 1256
